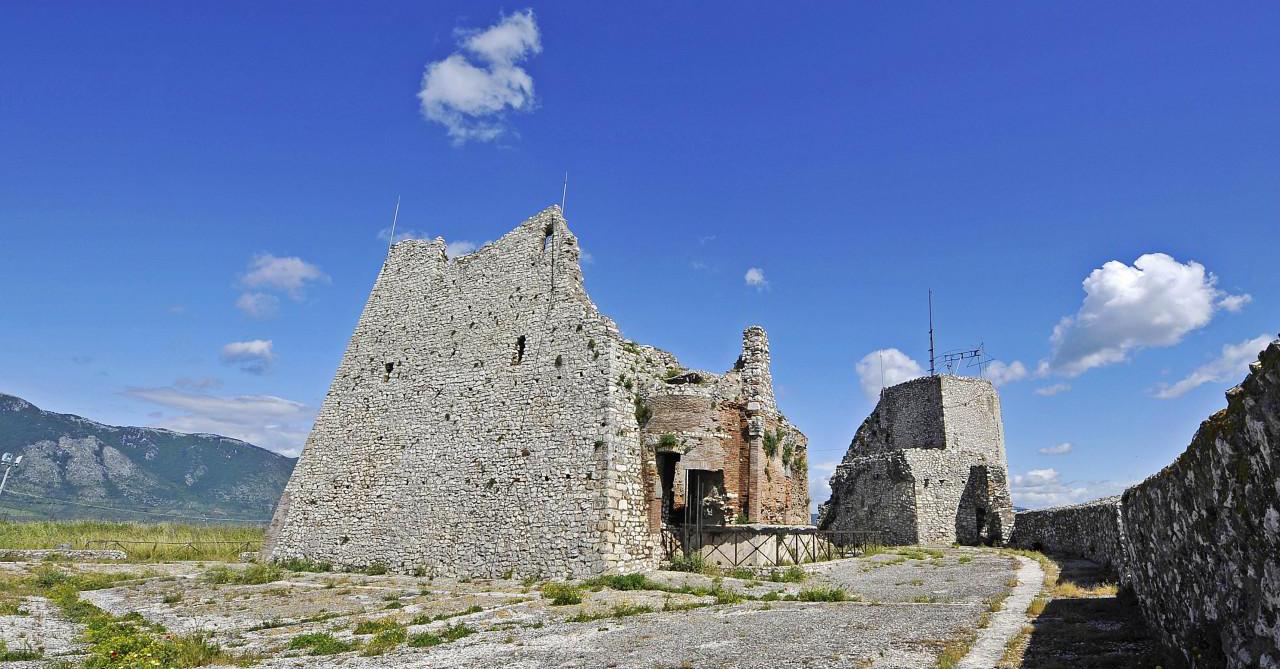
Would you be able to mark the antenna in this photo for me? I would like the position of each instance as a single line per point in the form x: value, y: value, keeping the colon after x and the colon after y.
x: 932, y: 370
x: 565, y: 193
x: 881, y: 371
x: 394, y: 217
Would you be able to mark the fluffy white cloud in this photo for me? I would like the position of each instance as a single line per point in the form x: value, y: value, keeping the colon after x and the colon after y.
x: 471, y: 99
x: 1154, y: 302
x: 883, y: 368
x: 273, y: 423
x: 253, y: 356
x: 1234, y: 303
x: 1060, y: 449
x: 1039, y: 488
x: 1000, y: 373
x: 459, y: 248
x: 755, y: 278
x: 258, y: 305
x: 1050, y: 391
x: 1230, y: 366
x: 820, y: 482
x: 289, y: 275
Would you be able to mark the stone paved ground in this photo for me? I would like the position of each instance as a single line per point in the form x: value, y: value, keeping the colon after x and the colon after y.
x: 906, y: 607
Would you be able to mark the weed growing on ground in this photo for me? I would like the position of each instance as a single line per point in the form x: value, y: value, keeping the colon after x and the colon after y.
x: 562, y: 594
x: 320, y: 643
x: 821, y: 594
x: 423, y: 618
x: 450, y: 633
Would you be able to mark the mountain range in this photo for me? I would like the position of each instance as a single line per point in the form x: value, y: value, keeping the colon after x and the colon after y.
x: 76, y: 468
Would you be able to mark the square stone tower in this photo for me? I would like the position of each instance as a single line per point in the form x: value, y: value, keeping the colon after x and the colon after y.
x: 926, y: 467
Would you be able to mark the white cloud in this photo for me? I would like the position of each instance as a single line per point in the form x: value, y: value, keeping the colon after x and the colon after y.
x: 755, y: 278
x: 1044, y: 487
x: 883, y: 368
x: 1230, y: 366
x: 459, y: 248
x: 471, y: 99
x: 253, y: 356
x: 1234, y: 303
x: 273, y: 423
x: 699, y: 265
x: 1154, y: 302
x: 999, y: 373
x: 289, y: 275
x: 1050, y: 391
x: 1060, y: 449
x: 401, y: 234
x: 258, y: 305
x: 820, y: 482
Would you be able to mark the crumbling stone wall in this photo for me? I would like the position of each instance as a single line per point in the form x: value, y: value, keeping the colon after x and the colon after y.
x: 725, y: 423
x: 927, y: 466
x: 473, y: 427
x: 1199, y: 542
x: 1092, y: 530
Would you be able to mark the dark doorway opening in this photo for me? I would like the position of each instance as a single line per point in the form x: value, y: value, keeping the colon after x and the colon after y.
x: 704, y: 494
x: 667, y: 484
x: 980, y: 523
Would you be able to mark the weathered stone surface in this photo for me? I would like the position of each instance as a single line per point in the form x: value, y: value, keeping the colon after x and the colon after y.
x: 1198, y: 542
x: 486, y: 419
x: 927, y: 466
x: 1092, y: 530
x: 74, y: 555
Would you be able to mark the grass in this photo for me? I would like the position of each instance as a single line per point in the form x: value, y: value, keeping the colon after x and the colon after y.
x: 792, y: 574
x: 385, y: 640
x: 448, y: 634
x: 955, y: 650
x: 169, y: 539
x: 255, y: 574
x: 823, y: 595
x: 1070, y: 590
x: 618, y: 611
x: 375, y: 626
x: 423, y: 619
x: 320, y: 643
x: 7, y: 655
x: 562, y: 594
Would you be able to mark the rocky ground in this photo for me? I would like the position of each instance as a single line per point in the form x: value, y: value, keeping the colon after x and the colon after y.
x: 901, y: 609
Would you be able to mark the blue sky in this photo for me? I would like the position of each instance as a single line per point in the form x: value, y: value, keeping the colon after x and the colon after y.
x: 162, y: 163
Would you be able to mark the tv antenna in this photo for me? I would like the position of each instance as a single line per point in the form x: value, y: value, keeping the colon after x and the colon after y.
x: 564, y: 194
x: 394, y: 217
x: 932, y: 369
x: 952, y: 360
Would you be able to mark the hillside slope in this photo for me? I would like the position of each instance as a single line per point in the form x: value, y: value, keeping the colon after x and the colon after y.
x: 73, y: 459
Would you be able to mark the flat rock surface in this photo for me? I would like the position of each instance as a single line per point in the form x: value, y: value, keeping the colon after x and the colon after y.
x: 904, y: 606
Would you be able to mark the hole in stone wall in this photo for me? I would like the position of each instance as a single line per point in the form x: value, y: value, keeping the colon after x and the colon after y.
x: 547, y: 234
x: 515, y: 360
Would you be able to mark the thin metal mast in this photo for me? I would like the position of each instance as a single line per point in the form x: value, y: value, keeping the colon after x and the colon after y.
x: 394, y: 217
x: 932, y: 370
x: 565, y: 193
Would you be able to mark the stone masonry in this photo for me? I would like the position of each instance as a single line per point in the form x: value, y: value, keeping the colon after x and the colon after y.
x: 926, y: 467
x: 487, y: 419
x: 1199, y: 542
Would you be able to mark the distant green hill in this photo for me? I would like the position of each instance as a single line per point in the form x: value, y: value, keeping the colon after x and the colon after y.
x: 69, y: 459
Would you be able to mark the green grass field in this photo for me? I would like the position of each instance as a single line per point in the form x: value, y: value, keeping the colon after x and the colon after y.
x: 143, y: 542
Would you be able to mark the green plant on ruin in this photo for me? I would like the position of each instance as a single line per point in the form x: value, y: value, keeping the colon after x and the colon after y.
x: 668, y: 441
x: 788, y: 450
x: 771, y: 441
x: 673, y: 371
x: 643, y: 412
x: 799, y: 464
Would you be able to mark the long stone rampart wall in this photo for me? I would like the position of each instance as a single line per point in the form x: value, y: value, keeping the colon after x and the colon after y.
x: 1091, y: 530
x: 1200, y: 540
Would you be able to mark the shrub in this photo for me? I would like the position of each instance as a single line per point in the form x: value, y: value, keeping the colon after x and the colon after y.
x: 385, y: 640
x: 821, y: 594
x: 668, y: 440
x: 255, y: 574
x: 691, y: 563
x: 376, y: 569
x: 302, y: 564
x: 562, y: 594
x: 450, y: 633
x: 792, y: 574
x: 643, y: 412
x: 375, y: 626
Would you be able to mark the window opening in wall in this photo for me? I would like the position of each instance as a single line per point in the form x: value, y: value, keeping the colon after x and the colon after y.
x: 547, y: 234
x: 386, y: 375
x: 515, y: 360
x: 666, y: 465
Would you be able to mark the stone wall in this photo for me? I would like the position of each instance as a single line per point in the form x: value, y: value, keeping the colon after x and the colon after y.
x: 1092, y: 530
x: 1199, y: 542
x: 486, y: 419
x: 927, y: 466
x: 473, y: 426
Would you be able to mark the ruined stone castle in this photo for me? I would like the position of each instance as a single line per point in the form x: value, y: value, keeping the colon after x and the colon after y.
x: 926, y: 467
x: 487, y: 419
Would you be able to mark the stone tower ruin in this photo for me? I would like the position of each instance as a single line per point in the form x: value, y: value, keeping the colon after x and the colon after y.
x: 926, y: 467
x: 487, y: 419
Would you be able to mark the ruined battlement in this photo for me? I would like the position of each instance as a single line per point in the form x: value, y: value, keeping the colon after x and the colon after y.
x: 486, y: 418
